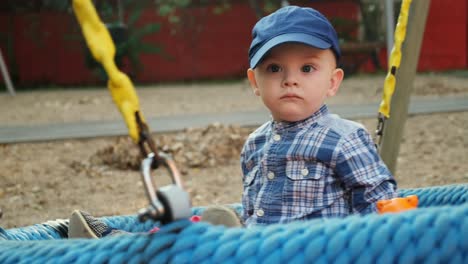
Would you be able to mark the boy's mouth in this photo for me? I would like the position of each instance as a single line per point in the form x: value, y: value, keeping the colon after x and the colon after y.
x: 290, y: 96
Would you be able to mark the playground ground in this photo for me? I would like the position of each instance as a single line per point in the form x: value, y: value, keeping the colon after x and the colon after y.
x: 43, y: 181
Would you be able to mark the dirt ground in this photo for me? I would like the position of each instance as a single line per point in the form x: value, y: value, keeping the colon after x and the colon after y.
x: 42, y: 181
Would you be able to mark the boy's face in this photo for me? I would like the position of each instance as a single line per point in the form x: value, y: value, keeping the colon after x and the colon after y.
x: 294, y: 80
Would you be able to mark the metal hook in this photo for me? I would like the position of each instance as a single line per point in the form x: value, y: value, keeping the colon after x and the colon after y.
x: 161, y: 206
x: 169, y: 202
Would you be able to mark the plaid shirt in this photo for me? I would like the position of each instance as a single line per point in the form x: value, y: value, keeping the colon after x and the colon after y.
x: 323, y: 166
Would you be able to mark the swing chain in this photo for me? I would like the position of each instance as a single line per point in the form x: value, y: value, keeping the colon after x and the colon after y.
x: 146, y: 142
x: 380, y: 129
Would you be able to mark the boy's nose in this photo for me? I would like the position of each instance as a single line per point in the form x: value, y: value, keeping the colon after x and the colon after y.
x: 289, y: 80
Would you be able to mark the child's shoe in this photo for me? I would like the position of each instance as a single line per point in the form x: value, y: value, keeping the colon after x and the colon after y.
x: 83, y: 225
x: 221, y: 215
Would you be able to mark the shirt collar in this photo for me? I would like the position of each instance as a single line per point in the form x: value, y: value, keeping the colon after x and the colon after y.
x: 280, y: 126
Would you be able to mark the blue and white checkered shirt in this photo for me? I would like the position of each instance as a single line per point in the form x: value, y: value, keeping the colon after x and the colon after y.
x: 323, y: 166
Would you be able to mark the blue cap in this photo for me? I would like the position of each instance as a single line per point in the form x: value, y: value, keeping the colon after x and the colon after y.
x: 292, y: 24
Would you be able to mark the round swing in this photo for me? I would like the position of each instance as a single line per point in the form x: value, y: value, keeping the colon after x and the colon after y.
x: 435, y: 232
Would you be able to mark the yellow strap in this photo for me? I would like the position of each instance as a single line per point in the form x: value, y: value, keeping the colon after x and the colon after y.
x: 103, y: 50
x: 395, y: 59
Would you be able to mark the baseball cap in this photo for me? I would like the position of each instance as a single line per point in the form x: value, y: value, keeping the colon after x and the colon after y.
x: 292, y: 24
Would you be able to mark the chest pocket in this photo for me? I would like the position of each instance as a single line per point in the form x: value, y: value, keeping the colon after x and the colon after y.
x: 304, y: 188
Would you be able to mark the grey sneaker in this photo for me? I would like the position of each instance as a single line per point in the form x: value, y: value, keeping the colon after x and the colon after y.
x: 83, y: 225
x: 221, y: 215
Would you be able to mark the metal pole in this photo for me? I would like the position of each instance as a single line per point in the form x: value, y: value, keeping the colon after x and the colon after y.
x: 6, y: 75
x: 389, y: 14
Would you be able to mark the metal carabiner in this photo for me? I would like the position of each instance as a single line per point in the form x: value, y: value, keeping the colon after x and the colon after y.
x: 167, y: 203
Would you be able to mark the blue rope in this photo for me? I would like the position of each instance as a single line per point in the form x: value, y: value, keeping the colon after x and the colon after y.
x: 439, y: 195
x: 434, y: 233
x: 34, y: 232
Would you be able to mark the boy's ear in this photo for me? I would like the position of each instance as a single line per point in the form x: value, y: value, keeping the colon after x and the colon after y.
x: 253, y: 81
x: 335, y: 81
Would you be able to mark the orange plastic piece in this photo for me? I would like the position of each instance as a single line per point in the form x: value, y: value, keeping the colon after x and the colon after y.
x: 397, y: 205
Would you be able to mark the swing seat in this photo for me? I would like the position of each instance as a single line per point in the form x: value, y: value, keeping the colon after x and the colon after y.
x: 435, y: 232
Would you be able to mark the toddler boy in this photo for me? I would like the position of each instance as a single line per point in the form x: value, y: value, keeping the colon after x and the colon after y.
x: 305, y: 162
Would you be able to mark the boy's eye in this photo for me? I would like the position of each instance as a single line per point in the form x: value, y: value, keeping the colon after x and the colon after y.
x: 273, y: 68
x: 307, y: 68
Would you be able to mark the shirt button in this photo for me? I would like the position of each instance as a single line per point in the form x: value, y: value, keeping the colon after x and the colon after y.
x: 260, y: 212
x: 276, y: 137
x: 271, y: 175
x: 304, y: 172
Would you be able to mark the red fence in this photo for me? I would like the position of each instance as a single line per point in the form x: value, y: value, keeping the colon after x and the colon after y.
x: 47, y: 48
x: 445, y: 40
